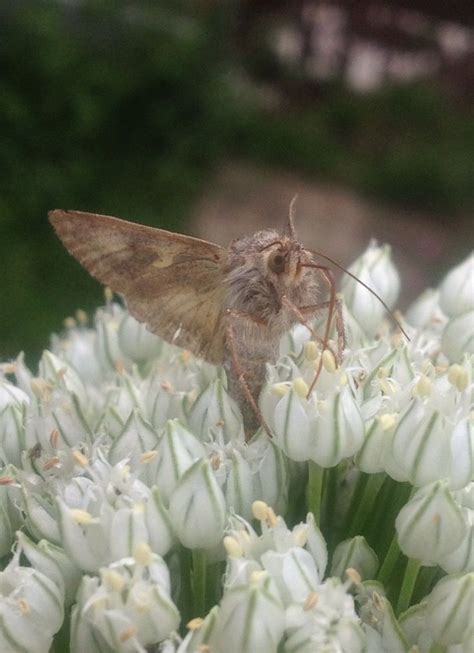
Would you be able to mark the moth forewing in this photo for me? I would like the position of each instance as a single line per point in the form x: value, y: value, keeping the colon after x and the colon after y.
x: 171, y: 282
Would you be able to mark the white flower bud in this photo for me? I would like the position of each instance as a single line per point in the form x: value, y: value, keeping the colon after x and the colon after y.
x: 163, y: 401
x: 376, y: 270
x: 425, y: 310
x: 6, y: 527
x: 316, y: 545
x: 294, y: 573
x: 339, y: 431
x: 201, y: 635
x: 421, y: 444
x: 127, y: 610
x: 238, y: 490
x: 31, y: 609
x: 251, y: 618
x: 415, y: 628
x: 83, y: 540
x: 120, y: 401
x: 431, y: 525
x: 462, y: 453
x: 458, y: 337
x: 41, y: 517
x: 158, y: 523
x: 53, y: 562
x: 325, y: 621
x: 137, y: 437
x: 177, y: 451
x: 456, y: 291
x: 372, y: 456
x: 136, y: 342
x: 107, y: 348
x: 78, y: 350
x: 379, y: 619
x: 292, y: 425
x: 269, y: 472
x: 214, y: 411
x: 60, y: 374
x: 197, y: 507
x: 354, y: 553
x: 449, y: 609
x: 461, y: 560
x: 12, y: 434
x: 10, y: 395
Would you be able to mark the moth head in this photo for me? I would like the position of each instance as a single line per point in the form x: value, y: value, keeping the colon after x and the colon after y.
x: 283, y: 259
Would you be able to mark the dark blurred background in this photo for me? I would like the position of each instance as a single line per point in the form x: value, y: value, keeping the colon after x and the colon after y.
x: 208, y: 116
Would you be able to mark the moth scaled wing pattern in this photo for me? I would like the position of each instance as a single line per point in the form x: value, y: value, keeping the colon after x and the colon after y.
x: 171, y: 282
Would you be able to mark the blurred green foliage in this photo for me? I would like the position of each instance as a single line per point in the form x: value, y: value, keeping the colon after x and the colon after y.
x: 102, y: 108
x: 125, y: 108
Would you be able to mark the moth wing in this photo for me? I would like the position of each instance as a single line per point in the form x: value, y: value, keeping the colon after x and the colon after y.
x: 172, y: 283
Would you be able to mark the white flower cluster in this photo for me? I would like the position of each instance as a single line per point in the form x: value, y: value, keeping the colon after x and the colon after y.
x: 126, y: 486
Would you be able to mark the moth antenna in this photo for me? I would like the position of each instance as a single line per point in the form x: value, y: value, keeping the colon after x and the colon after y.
x: 290, y: 230
x: 353, y: 276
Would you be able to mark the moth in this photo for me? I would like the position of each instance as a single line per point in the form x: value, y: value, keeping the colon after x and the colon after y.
x: 229, y: 306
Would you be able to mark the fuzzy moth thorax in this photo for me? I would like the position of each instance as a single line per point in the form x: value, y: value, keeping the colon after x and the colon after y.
x: 264, y: 269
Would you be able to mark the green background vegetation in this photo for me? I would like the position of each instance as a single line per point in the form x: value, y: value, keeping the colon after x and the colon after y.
x: 127, y: 109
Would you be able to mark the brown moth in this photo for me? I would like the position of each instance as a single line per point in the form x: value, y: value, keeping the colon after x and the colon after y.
x: 228, y: 306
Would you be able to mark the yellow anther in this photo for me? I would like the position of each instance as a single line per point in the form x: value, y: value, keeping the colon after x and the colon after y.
x: 424, y: 387
x: 259, y: 510
x: 301, y: 536
x: 195, y: 623
x: 81, y: 517
x: 387, y: 421
x: 54, y: 438
x: 142, y: 554
x: 258, y: 575
x: 113, y: 580
x: 329, y: 362
x: 148, y: 456
x: 300, y: 387
x: 41, y: 388
x: 310, y: 350
x: 458, y: 377
x: 310, y: 601
x: 79, y: 458
x: 272, y: 519
x: 232, y: 547
x: 354, y: 576
x: 280, y: 389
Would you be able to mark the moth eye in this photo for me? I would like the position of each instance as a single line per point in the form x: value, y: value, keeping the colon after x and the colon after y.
x: 276, y: 262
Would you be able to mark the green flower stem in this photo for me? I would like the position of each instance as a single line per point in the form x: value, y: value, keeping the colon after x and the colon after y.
x: 185, y: 596
x: 314, y: 490
x: 199, y: 582
x: 355, y: 502
x: 437, y: 648
x: 408, y: 585
x: 329, y: 506
x: 366, y: 503
x: 389, y: 562
x: 380, y: 529
x: 426, y: 580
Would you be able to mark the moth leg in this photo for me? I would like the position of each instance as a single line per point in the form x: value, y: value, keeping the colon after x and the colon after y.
x: 340, y: 330
x: 231, y: 342
x: 299, y: 312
